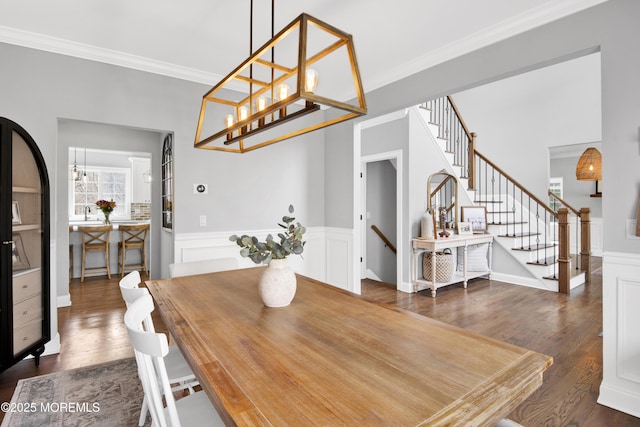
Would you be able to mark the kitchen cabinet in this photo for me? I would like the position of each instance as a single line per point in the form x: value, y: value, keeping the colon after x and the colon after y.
x: 24, y: 252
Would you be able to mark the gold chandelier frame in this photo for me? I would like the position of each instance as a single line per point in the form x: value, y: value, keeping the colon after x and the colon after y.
x: 301, y: 102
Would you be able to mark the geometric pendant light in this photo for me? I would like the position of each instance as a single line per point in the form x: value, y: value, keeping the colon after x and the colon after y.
x: 280, y: 93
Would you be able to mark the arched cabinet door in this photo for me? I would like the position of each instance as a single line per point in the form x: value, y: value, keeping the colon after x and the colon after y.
x: 24, y: 250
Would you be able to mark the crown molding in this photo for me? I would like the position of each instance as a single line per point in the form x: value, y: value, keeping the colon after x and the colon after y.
x: 92, y: 53
x: 543, y: 14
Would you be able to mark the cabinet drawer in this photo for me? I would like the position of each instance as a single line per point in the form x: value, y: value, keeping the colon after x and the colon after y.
x: 26, y: 285
x: 27, y: 335
x: 27, y: 311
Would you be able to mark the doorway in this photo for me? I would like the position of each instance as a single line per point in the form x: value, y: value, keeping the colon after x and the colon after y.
x: 102, y: 139
x: 381, y: 194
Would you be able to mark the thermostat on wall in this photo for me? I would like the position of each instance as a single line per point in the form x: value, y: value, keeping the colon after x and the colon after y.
x: 200, y: 188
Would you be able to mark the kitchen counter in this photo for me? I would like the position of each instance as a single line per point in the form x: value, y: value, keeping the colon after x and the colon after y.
x: 97, y: 259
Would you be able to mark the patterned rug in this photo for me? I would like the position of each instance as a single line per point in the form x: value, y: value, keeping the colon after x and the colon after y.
x: 109, y: 394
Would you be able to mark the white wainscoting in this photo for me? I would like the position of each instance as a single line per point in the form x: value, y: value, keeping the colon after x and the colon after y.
x: 620, y: 388
x: 326, y: 256
x: 339, y: 268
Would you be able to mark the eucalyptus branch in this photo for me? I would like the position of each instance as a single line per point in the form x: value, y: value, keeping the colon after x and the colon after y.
x: 263, y: 252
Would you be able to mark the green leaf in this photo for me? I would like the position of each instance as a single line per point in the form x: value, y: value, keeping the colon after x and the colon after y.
x: 247, y: 241
x: 290, y: 208
x: 244, y: 252
x: 233, y: 238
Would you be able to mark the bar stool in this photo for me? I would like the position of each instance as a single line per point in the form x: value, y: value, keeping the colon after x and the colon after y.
x: 95, y: 239
x: 133, y: 237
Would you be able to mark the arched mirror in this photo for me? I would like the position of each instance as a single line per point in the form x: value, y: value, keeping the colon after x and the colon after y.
x: 442, y: 190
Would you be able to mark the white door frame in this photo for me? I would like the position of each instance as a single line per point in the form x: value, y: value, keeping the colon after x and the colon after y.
x: 388, y: 155
x: 358, y: 232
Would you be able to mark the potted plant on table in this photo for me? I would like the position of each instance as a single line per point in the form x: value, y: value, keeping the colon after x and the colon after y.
x: 106, y: 207
x: 278, y: 282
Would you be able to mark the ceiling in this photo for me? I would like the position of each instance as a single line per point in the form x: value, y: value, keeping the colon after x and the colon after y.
x: 204, y: 40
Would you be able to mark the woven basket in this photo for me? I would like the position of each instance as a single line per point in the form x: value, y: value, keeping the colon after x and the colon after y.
x: 444, y: 265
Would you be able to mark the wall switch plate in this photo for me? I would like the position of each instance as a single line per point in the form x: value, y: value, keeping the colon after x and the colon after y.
x: 631, y: 229
x: 203, y: 220
x: 200, y: 188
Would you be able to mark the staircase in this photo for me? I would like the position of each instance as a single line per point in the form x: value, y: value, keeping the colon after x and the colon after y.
x: 526, y: 227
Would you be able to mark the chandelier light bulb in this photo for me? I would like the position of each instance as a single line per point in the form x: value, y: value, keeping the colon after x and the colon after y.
x: 283, y: 91
x: 243, y: 113
x: 311, y: 80
x: 261, y: 103
x: 228, y: 120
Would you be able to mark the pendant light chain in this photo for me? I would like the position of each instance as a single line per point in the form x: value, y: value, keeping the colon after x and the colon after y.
x: 273, y: 50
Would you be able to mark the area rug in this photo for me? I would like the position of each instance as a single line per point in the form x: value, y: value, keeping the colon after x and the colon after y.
x: 109, y: 394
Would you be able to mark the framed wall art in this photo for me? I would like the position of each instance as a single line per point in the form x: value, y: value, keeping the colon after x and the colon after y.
x: 464, y: 228
x: 477, y: 216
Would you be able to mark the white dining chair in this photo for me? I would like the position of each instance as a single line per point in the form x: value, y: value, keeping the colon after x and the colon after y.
x: 201, y: 267
x: 178, y: 370
x: 151, y: 348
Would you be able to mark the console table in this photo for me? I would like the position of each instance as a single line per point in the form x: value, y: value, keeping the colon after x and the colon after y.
x: 421, y: 246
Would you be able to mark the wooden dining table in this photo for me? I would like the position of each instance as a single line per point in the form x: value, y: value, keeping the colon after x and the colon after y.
x: 332, y: 358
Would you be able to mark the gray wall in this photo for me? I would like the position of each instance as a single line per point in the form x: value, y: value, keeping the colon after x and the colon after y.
x: 553, y: 106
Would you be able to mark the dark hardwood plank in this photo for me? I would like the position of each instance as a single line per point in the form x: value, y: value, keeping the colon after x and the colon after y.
x: 564, y: 327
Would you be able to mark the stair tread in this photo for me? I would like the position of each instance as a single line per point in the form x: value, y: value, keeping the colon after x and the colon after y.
x: 499, y: 212
x: 547, y: 261
x: 519, y: 235
x: 488, y: 201
x: 574, y: 273
x: 507, y: 223
x: 533, y: 248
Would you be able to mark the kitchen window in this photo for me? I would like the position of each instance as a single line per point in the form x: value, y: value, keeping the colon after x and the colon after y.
x: 100, y: 183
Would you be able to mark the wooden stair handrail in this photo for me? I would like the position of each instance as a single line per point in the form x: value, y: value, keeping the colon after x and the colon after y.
x: 384, y: 239
x: 517, y: 184
x: 455, y: 110
x: 558, y: 198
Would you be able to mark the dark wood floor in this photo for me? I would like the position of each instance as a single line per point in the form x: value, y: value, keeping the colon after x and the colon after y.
x: 564, y: 327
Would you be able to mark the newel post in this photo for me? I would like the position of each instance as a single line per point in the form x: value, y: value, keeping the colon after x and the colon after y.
x: 585, y: 243
x: 564, y: 255
x: 471, y: 161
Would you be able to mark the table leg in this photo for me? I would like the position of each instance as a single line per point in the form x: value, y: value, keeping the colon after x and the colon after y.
x: 464, y: 265
x: 416, y: 254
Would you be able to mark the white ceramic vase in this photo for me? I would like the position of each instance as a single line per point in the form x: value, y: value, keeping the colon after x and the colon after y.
x: 426, y: 226
x: 277, y: 285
